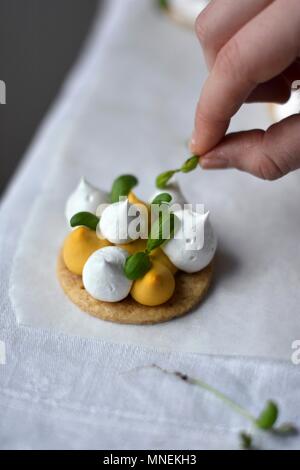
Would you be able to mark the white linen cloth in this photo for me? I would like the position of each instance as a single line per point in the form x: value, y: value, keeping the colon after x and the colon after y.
x: 64, y: 391
x: 134, y: 113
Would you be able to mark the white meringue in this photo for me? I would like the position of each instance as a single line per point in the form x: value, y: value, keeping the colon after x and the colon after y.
x: 194, y: 244
x: 103, y: 276
x: 85, y: 198
x: 120, y: 221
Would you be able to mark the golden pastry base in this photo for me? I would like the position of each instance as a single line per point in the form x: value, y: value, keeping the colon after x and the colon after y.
x: 190, y: 291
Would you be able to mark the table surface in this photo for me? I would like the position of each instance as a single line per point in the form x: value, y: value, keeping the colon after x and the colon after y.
x: 31, y: 33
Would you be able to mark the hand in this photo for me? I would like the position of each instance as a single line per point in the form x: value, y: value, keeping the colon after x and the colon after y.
x: 251, y: 48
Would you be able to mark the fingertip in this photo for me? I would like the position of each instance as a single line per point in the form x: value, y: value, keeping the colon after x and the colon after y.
x: 213, y: 163
x: 192, y: 143
x: 239, y: 150
x: 200, y: 143
x: 208, y: 133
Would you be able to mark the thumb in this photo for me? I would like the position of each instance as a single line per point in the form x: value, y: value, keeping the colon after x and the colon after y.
x: 268, y: 155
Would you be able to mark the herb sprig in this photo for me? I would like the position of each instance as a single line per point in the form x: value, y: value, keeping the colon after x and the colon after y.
x: 161, y: 198
x: 86, y: 219
x: 266, y: 421
x: 122, y: 186
x: 138, y: 264
x: 189, y: 165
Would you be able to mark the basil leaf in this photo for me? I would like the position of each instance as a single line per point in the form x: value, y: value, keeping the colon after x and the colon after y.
x: 137, y: 265
x: 190, y: 164
x: 162, y: 223
x: 163, y: 197
x: 122, y: 187
x: 85, y: 218
x: 268, y: 416
x: 163, y: 179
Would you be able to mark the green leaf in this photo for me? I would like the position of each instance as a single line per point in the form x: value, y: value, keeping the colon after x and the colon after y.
x: 246, y: 440
x: 122, y: 187
x: 85, y: 218
x: 162, y: 197
x: 164, y: 4
x: 190, y: 164
x: 286, y: 430
x: 163, y: 179
x: 268, y: 416
x: 137, y: 265
x: 165, y: 222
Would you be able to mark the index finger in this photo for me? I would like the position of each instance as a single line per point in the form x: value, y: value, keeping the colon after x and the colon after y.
x: 221, y: 20
x: 261, y: 50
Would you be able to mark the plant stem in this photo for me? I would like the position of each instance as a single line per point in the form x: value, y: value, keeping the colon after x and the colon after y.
x: 239, y: 409
x: 199, y: 383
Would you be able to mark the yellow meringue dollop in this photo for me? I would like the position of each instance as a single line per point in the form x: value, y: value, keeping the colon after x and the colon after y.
x: 155, y: 288
x: 79, y: 245
x: 160, y: 257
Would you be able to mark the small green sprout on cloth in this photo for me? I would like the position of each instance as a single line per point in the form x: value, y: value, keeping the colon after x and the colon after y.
x: 266, y: 421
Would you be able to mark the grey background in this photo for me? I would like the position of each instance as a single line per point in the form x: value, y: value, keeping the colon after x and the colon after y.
x: 39, y: 41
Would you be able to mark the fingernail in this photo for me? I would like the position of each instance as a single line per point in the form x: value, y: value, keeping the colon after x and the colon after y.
x: 213, y: 163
